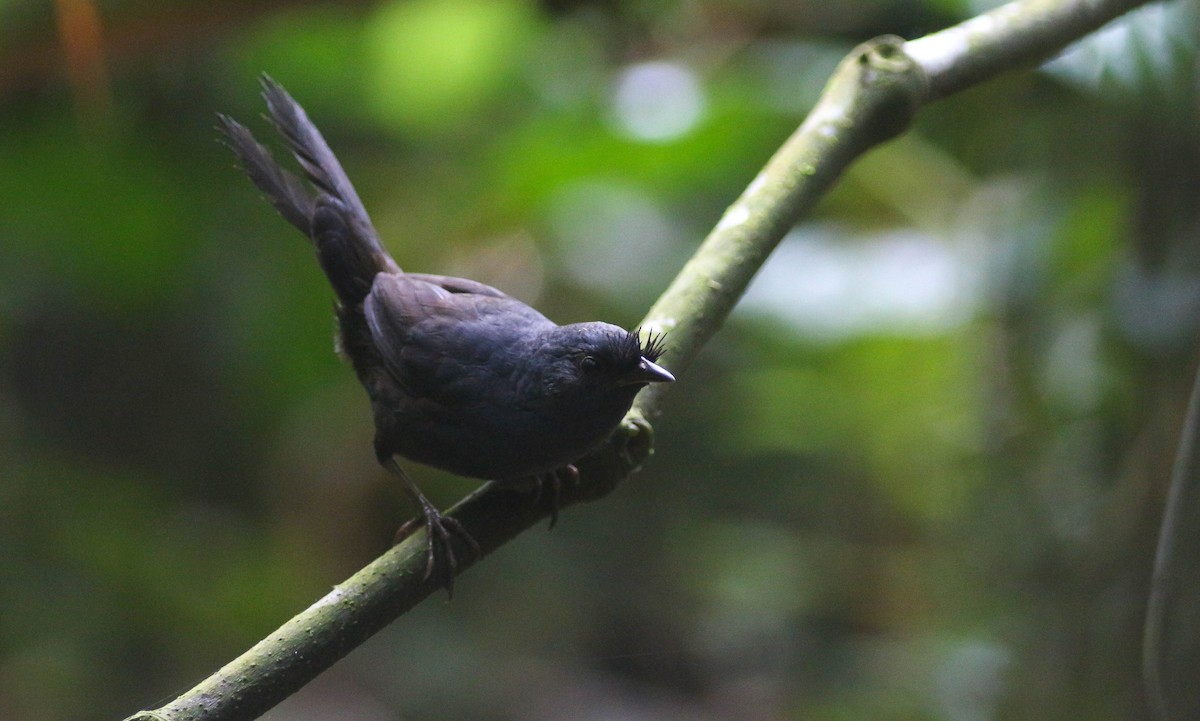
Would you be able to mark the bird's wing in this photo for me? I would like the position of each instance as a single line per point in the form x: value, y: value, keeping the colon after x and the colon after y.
x: 458, y: 285
x: 434, y: 331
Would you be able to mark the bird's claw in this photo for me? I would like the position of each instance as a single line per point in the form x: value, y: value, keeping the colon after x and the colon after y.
x: 550, y: 484
x: 638, y: 443
x: 439, y: 546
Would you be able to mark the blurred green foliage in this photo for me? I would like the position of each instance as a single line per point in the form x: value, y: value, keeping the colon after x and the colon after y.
x: 917, y: 477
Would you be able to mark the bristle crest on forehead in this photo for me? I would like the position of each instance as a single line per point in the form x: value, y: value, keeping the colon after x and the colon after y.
x: 652, y: 346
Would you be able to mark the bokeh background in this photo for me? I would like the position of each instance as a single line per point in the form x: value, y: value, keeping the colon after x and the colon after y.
x: 917, y: 476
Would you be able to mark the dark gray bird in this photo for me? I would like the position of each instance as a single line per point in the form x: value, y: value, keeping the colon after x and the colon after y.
x: 460, y: 376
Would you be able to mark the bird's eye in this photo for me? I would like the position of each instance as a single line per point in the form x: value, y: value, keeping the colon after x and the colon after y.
x: 589, y: 363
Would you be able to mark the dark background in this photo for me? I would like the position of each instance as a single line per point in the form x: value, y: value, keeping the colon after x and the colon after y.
x: 917, y: 476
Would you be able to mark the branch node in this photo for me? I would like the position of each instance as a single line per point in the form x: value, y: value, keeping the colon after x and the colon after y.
x: 885, y: 76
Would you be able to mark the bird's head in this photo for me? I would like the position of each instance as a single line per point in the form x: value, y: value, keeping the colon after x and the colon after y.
x: 602, y: 363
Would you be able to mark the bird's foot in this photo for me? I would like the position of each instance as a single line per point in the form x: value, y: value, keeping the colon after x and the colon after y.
x: 439, y: 546
x: 549, y: 486
x: 442, y: 530
x: 639, y: 442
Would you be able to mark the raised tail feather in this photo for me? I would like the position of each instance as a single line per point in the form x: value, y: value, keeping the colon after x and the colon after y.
x: 285, y: 191
x: 348, y: 247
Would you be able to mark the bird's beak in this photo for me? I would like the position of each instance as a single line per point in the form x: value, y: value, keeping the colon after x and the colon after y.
x: 649, y: 372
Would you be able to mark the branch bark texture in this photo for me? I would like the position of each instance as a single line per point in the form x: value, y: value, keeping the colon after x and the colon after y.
x: 872, y: 97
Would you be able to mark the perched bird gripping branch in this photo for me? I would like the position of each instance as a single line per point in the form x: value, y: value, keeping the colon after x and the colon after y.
x: 461, y: 376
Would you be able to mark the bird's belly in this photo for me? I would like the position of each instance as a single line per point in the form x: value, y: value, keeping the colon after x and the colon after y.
x: 498, y: 445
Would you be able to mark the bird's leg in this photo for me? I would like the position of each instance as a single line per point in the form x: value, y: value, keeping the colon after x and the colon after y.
x: 440, y: 529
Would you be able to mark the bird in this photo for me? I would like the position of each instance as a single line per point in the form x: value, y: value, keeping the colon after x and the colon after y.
x: 460, y: 375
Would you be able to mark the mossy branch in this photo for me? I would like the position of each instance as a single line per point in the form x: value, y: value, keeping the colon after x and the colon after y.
x: 872, y: 97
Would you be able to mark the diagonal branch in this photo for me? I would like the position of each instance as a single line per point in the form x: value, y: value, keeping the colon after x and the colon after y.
x: 871, y: 98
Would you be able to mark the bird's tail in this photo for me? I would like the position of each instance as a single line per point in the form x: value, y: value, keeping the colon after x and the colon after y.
x: 348, y: 247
